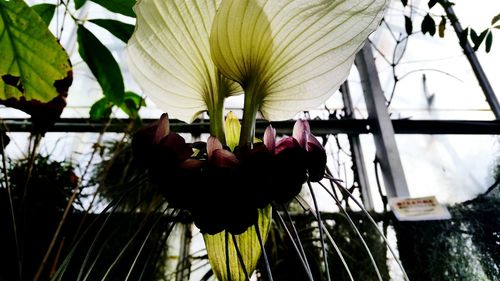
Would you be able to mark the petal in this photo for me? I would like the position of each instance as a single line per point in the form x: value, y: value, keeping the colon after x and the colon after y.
x: 316, y: 159
x: 290, y: 170
x: 297, y: 52
x: 286, y: 143
x: 163, y: 128
x: 169, y: 57
x: 213, y: 144
x: 301, y: 132
x: 270, y: 138
x: 176, y: 145
x: 224, y: 159
x: 191, y: 164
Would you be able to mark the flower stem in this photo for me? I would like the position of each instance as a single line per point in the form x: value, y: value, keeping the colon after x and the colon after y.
x: 250, y: 108
x: 217, y: 122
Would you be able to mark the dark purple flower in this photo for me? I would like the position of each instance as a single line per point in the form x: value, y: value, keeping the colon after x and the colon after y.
x: 296, y: 159
x: 166, y: 155
x: 316, y: 155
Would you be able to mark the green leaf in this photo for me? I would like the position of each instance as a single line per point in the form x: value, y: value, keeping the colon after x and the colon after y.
x: 45, y: 11
x: 495, y: 19
x: 248, y: 245
x: 404, y: 2
x: 428, y: 25
x: 489, y: 41
x: 101, y: 109
x: 442, y: 26
x: 473, y: 35
x: 431, y: 3
x: 477, y: 40
x: 102, y: 64
x: 32, y: 61
x: 123, y: 7
x: 497, y: 26
x: 79, y: 3
x: 122, y: 31
x: 132, y: 103
x: 408, y: 25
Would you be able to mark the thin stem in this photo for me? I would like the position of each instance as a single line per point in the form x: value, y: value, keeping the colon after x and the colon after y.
x: 321, y: 236
x: 355, y: 230
x: 11, y: 207
x: 240, y: 257
x: 330, y: 238
x: 145, y: 240
x: 154, y: 255
x: 295, y: 232
x: 111, y: 207
x: 228, y: 268
x: 264, y: 254
x: 56, y: 234
x: 304, y: 262
x: 376, y: 227
x: 128, y: 244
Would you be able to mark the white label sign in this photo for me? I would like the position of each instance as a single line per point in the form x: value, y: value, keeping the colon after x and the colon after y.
x: 418, y: 209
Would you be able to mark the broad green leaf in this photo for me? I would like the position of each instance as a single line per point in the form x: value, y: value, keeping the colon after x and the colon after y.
x: 32, y: 61
x: 79, y: 3
x: 232, y: 128
x: 132, y: 102
x: 123, y: 7
x: 489, y: 41
x: 497, y: 26
x: 248, y: 245
x: 404, y: 2
x: 169, y: 57
x: 102, y: 64
x: 442, y: 26
x: 122, y: 31
x: 45, y: 11
x: 101, y: 109
x: 431, y: 3
x: 495, y: 19
x: 290, y: 55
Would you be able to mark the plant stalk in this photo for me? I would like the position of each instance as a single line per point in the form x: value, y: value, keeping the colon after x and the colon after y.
x: 217, y: 121
x: 250, y: 108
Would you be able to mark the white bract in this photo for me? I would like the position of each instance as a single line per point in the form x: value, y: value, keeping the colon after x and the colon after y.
x: 169, y: 57
x: 287, y: 56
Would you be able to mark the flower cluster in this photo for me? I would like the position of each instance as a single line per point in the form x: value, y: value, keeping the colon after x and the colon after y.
x: 223, y: 189
x: 284, y: 57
